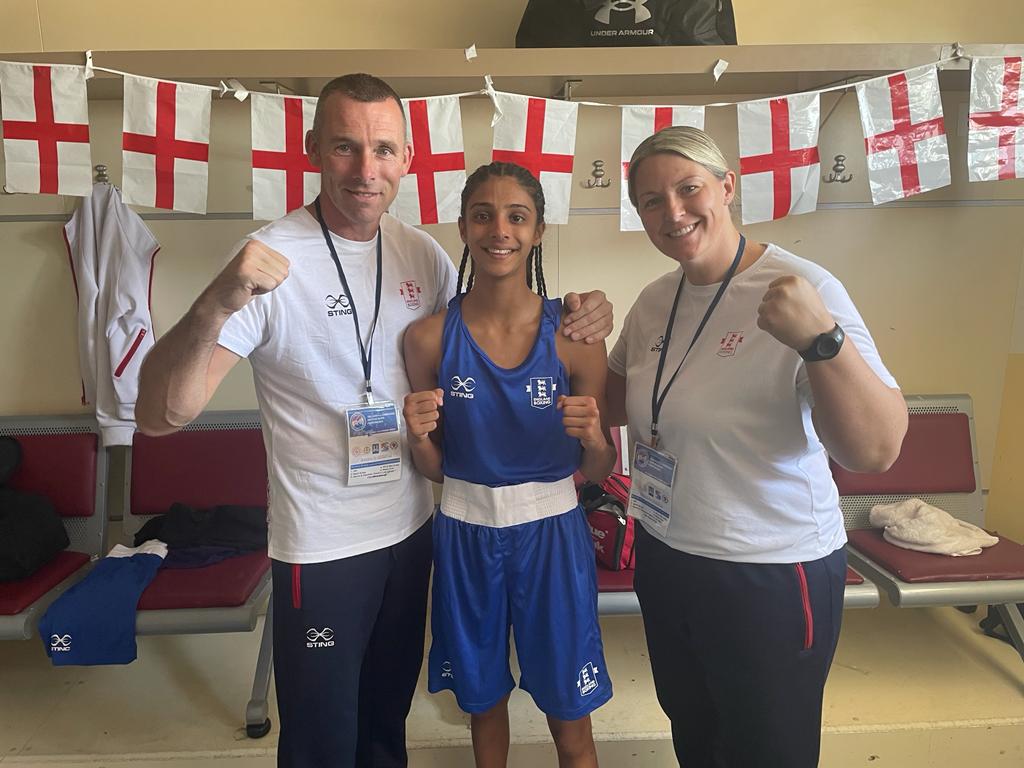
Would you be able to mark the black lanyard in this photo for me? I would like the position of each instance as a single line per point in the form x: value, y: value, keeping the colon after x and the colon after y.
x: 367, y: 358
x: 656, y: 400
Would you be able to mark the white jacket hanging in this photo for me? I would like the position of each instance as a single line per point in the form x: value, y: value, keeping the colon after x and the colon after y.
x: 112, y: 253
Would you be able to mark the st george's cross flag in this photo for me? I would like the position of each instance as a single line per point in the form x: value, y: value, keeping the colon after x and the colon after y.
x: 283, y: 178
x: 779, y: 163
x: 904, y: 134
x: 431, y: 193
x: 166, y: 143
x: 639, y: 122
x: 995, y: 143
x: 540, y: 135
x: 45, y: 129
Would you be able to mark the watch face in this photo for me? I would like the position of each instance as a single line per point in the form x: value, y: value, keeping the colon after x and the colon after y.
x: 826, y: 347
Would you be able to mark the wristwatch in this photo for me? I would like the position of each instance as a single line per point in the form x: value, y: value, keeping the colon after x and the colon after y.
x: 825, y: 346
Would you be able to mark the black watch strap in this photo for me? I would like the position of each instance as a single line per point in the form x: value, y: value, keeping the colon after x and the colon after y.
x: 825, y: 346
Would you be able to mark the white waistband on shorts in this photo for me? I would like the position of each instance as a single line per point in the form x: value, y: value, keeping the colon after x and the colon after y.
x: 508, y: 504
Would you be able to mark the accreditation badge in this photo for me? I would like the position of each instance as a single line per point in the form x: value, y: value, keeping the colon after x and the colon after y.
x: 374, y: 444
x: 650, y: 496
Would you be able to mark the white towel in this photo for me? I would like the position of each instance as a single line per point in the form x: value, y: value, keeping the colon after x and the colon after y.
x: 913, y: 524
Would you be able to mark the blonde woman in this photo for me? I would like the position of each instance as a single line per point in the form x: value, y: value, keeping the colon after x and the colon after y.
x: 739, y: 374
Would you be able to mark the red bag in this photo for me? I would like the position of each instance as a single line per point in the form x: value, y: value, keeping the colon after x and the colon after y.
x: 612, y: 531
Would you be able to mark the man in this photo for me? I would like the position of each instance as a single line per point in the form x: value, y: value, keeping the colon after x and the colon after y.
x: 350, y: 538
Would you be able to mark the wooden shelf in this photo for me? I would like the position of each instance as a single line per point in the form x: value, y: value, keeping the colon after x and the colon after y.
x: 603, y: 72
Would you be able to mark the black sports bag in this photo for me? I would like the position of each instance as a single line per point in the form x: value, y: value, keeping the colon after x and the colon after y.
x: 582, y: 23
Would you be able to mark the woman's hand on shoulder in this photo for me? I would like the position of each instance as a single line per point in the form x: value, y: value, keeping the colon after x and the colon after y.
x: 793, y: 312
x: 587, y: 316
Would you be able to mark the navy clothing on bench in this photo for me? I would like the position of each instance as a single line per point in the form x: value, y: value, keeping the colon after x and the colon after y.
x: 740, y: 652
x: 348, y: 645
x: 94, y: 621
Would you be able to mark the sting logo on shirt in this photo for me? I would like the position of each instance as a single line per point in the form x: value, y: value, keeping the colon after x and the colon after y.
x: 658, y: 344
x: 730, y: 343
x: 411, y: 293
x: 462, y: 387
x: 542, y: 391
x: 337, y: 305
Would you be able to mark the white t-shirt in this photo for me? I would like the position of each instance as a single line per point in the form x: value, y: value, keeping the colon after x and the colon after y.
x: 753, y: 482
x: 301, y: 342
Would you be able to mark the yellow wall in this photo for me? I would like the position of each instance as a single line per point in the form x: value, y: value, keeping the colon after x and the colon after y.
x: 1006, y: 500
x: 938, y: 286
x: 68, y: 25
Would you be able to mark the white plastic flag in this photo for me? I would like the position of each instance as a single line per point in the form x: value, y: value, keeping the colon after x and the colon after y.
x: 995, y: 144
x: 639, y: 122
x: 431, y: 193
x: 166, y: 144
x: 540, y: 135
x: 904, y: 134
x: 283, y: 178
x: 46, y: 129
x: 779, y: 163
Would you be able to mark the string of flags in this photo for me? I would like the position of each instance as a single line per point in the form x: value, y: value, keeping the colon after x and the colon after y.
x: 166, y: 141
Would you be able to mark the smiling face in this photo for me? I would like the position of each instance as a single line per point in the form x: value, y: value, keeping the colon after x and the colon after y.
x: 685, y: 212
x: 500, y: 226
x: 362, y: 155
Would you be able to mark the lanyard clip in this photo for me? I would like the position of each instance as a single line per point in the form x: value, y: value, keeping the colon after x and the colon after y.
x: 654, y: 435
x: 368, y: 394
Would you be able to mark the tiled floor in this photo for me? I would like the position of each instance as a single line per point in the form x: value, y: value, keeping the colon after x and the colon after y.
x: 910, y: 688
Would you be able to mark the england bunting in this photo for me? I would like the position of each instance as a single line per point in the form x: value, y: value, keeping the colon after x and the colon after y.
x: 166, y: 144
x: 283, y: 178
x: 779, y: 164
x: 995, y: 144
x: 904, y: 134
x: 46, y: 129
x: 540, y: 135
x: 431, y: 193
x: 638, y: 123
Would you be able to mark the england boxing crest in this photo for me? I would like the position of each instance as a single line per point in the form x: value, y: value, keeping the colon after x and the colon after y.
x: 541, y: 390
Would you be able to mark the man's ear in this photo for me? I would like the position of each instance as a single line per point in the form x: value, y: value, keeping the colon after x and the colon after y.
x: 407, y: 158
x: 313, y: 148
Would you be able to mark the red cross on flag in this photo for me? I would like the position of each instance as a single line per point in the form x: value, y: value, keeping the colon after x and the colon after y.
x: 904, y: 134
x: 431, y: 193
x: 46, y: 129
x: 995, y: 143
x: 637, y: 124
x: 779, y: 165
x: 540, y: 135
x: 283, y: 179
x: 166, y: 144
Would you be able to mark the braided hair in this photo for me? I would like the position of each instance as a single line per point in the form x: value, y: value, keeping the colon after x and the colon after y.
x: 530, y: 185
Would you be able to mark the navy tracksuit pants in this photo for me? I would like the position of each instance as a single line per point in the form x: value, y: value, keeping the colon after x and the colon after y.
x: 348, y: 646
x: 740, y: 653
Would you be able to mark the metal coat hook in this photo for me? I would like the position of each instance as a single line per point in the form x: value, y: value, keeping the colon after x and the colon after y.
x: 597, y: 177
x: 837, y: 172
x: 567, y: 87
x: 101, y: 174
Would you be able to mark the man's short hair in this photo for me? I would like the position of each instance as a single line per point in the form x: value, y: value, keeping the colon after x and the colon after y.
x: 358, y: 87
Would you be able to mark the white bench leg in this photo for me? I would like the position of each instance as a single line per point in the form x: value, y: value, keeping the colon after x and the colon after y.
x: 257, y: 713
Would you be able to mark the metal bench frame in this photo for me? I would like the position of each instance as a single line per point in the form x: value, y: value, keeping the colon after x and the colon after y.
x: 87, y: 534
x: 1001, y: 594
x: 242, y: 618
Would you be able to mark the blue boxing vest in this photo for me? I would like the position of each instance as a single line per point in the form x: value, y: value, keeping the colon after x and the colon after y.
x: 501, y: 425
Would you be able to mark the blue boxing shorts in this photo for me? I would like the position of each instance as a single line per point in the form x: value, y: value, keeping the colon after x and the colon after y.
x: 538, y: 579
